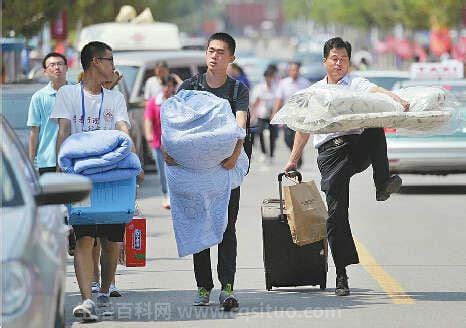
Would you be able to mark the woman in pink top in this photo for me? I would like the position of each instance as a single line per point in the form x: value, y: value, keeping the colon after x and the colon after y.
x: 153, y: 130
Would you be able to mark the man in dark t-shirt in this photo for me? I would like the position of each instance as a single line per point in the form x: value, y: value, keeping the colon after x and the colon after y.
x: 219, y: 53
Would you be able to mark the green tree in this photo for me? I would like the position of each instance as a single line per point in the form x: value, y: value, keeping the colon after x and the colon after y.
x: 414, y: 14
x: 27, y: 17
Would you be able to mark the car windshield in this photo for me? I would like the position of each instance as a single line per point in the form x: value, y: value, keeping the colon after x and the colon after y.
x: 308, y: 58
x: 386, y: 82
x: 15, y: 108
x: 11, y: 195
x: 458, y: 91
x: 129, y: 73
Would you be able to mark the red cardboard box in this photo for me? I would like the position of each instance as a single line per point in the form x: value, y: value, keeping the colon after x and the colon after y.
x: 135, y: 243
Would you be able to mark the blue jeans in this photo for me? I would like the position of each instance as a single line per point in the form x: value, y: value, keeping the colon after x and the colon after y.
x: 158, y: 156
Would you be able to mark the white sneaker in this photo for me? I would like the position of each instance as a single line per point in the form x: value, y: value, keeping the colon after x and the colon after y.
x: 114, y: 291
x: 95, y: 287
x: 85, y: 311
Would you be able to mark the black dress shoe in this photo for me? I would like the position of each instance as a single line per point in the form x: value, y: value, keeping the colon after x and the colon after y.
x: 392, y: 185
x: 342, y: 288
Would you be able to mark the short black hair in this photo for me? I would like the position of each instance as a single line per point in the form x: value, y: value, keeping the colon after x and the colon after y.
x: 271, y: 70
x: 169, y: 79
x: 225, y: 37
x: 294, y: 62
x: 53, y: 54
x: 91, y: 50
x: 337, y: 43
x: 161, y: 63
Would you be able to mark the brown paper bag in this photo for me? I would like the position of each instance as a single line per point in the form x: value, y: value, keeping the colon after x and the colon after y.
x: 306, y: 213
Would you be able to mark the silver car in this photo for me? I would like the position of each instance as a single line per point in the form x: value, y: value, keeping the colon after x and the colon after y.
x: 437, y: 154
x: 33, y: 236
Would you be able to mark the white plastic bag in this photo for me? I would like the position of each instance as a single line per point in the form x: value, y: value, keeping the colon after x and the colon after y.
x: 333, y: 108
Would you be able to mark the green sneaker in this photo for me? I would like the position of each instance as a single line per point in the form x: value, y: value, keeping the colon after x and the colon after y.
x: 227, y: 299
x: 202, y: 297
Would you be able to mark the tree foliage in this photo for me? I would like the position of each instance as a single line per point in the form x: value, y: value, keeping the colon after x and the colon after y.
x: 27, y: 17
x: 414, y: 14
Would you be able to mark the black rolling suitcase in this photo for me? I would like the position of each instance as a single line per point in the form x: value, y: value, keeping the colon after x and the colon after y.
x: 287, y: 264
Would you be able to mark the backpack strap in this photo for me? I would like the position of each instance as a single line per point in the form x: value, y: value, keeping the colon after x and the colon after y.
x: 235, y: 91
x: 196, y: 82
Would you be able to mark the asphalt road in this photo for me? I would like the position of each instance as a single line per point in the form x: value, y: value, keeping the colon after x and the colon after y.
x: 412, y: 271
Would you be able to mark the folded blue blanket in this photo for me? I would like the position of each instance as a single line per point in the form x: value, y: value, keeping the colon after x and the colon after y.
x: 102, y: 155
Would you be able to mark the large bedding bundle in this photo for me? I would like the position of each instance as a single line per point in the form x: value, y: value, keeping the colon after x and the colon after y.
x: 332, y: 108
x: 199, y: 131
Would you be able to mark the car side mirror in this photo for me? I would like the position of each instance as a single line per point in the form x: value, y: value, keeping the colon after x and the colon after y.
x: 62, y: 188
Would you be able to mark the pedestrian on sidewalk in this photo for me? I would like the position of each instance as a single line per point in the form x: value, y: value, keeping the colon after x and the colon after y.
x: 220, y: 52
x: 286, y: 88
x: 153, y: 85
x: 342, y: 155
x: 83, y: 107
x: 263, y: 100
x: 43, y: 134
x: 153, y: 130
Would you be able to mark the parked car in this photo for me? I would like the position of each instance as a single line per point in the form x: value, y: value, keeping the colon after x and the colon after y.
x: 137, y: 67
x: 438, y: 154
x: 384, y: 79
x: 33, y: 236
x: 311, y: 65
x: 15, y: 106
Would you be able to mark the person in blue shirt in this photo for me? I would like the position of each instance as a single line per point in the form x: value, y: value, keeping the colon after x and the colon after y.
x: 43, y: 134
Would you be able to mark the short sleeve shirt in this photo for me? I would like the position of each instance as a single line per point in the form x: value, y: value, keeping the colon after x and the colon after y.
x: 348, y: 81
x: 225, y: 91
x: 266, y: 99
x: 287, y: 87
x: 152, y: 88
x: 69, y: 105
x: 40, y: 108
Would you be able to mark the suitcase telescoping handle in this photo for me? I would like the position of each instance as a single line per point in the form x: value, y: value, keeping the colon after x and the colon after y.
x: 291, y: 174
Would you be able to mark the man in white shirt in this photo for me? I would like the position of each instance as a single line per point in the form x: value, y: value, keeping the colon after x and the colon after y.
x: 153, y: 85
x: 286, y: 88
x: 82, y: 107
x: 343, y: 154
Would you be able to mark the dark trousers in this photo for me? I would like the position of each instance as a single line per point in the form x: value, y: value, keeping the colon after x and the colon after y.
x: 289, y: 137
x: 338, y: 162
x: 226, y: 266
x: 263, y: 124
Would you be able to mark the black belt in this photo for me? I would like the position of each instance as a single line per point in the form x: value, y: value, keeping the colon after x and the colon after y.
x: 333, y: 143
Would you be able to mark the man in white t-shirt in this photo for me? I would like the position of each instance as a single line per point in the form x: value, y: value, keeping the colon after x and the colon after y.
x: 82, y: 107
x: 343, y: 154
x: 286, y: 88
x: 153, y: 85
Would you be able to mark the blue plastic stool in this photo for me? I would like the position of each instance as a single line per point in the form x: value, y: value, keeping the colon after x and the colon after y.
x: 109, y: 203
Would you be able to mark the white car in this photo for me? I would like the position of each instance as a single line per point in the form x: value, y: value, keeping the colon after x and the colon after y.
x: 33, y: 236
x: 435, y: 154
